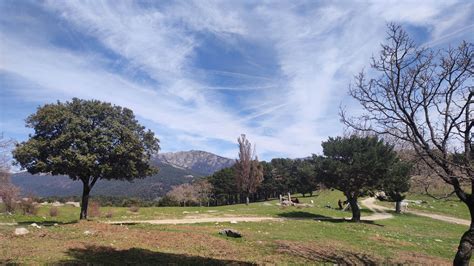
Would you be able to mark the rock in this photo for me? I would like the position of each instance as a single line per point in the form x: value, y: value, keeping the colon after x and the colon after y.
x: 230, y: 233
x: 57, y: 204
x: 233, y: 222
x: 21, y: 231
x: 87, y: 232
x: 73, y: 203
x: 35, y: 225
x: 438, y: 240
x: 55, y: 224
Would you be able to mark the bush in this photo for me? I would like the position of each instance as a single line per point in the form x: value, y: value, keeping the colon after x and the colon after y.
x: 93, y: 209
x: 109, y: 214
x: 53, y: 211
x: 134, y: 208
x: 28, y: 206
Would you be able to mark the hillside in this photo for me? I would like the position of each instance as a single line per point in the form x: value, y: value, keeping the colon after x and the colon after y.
x: 148, y: 188
x: 202, y: 162
x: 175, y: 169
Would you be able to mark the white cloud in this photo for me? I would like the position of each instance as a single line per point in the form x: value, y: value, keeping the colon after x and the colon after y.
x: 317, y: 49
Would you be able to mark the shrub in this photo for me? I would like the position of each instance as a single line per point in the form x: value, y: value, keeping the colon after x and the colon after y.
x: 9, y: 195
x: 28, y: 206
x: 94, y: 209
x: 54, y: 211
x: 109, y: 214
x: 134, y: 208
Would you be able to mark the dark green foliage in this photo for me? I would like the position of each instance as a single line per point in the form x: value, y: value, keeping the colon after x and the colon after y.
x: 280, y: 176
x: 357, y: 166
x: 224, y: 185
x: 305, y: 173
x: 397, y: 181
x: 87, y: 140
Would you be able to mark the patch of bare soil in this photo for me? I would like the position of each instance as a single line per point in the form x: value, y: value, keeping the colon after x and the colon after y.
x: 412, y: 258
x: 326, y: 253
x: 184, y: 239
x: 390, y: 242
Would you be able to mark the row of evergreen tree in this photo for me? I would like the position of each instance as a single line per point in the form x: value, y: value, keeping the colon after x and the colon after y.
x: 357, y: 166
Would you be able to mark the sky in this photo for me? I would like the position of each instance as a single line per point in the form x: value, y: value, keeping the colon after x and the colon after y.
x: 200, y: 73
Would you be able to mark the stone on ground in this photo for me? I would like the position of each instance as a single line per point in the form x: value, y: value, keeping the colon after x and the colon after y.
x: 230, y: 233
x: 21, y: 231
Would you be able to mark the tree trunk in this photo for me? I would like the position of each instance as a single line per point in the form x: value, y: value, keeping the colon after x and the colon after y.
x: 463, y: 255
x: 355, y: 209
x: 85, y: 201
x: 398, y: 207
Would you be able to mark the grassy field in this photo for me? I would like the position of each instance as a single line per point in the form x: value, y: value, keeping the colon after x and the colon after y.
x: 403, y: 239
x: 451, y: 206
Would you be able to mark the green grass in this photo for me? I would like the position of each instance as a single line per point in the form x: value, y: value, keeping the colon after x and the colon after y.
x: 451, y: 206
x: 403, y: 239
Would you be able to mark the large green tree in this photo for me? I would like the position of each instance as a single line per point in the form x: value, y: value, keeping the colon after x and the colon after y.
x: 355, y: 166
x: 397, y: 183
x: 87, y: 140
x: 305, y: 179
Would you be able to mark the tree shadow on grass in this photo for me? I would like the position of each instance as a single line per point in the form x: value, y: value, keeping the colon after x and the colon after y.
x: 110, y: 256
x: 47, y: 223
x: 300, y: 215
x: 326, y: 254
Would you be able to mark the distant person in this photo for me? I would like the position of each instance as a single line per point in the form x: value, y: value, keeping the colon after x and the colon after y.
x: 339, y: 203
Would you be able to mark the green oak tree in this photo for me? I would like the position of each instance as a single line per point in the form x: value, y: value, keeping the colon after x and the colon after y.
x: 397, y: 183
x: 356, y: 166
x: 87, y: 140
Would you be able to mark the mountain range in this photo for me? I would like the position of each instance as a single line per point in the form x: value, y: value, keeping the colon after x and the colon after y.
x: 174, y: 169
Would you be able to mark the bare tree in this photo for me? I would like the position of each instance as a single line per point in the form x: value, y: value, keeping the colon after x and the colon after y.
x: 423, y: 97
x: 184, y: 193
x: 9, y: 193
x: 249, y: 171
x: 203, y: 191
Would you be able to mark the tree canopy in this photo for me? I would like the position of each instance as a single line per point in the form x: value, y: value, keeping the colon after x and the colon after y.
x: 355, y: 166
x: 87, y: 140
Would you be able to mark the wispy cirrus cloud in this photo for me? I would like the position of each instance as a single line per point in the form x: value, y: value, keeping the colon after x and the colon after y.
x: 199, y: 73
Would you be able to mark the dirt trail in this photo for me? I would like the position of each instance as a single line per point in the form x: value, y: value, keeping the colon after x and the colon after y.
x: 200, y: 220
x: 380, y: 212
x: 370, y: 203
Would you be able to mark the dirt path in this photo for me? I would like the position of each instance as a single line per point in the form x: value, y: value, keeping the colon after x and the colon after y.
x: 380, y: 212
x: 370, y: 203
x: 200, y: 220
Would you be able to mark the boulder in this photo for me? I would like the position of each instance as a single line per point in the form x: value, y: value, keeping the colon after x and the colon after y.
x: 73, y: 203
x: 35, y: 225
x: 21, y: 231
x: 230, y: 233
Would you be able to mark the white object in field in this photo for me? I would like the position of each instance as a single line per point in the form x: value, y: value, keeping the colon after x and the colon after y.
x: 21, y: 231
x: 404, y: 206
x: 35, y: 225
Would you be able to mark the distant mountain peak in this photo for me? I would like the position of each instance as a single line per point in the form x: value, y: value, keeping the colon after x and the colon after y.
x: 198, y: 161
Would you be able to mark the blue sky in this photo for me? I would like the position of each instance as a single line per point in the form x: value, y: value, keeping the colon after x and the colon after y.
x: 200, y: 73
